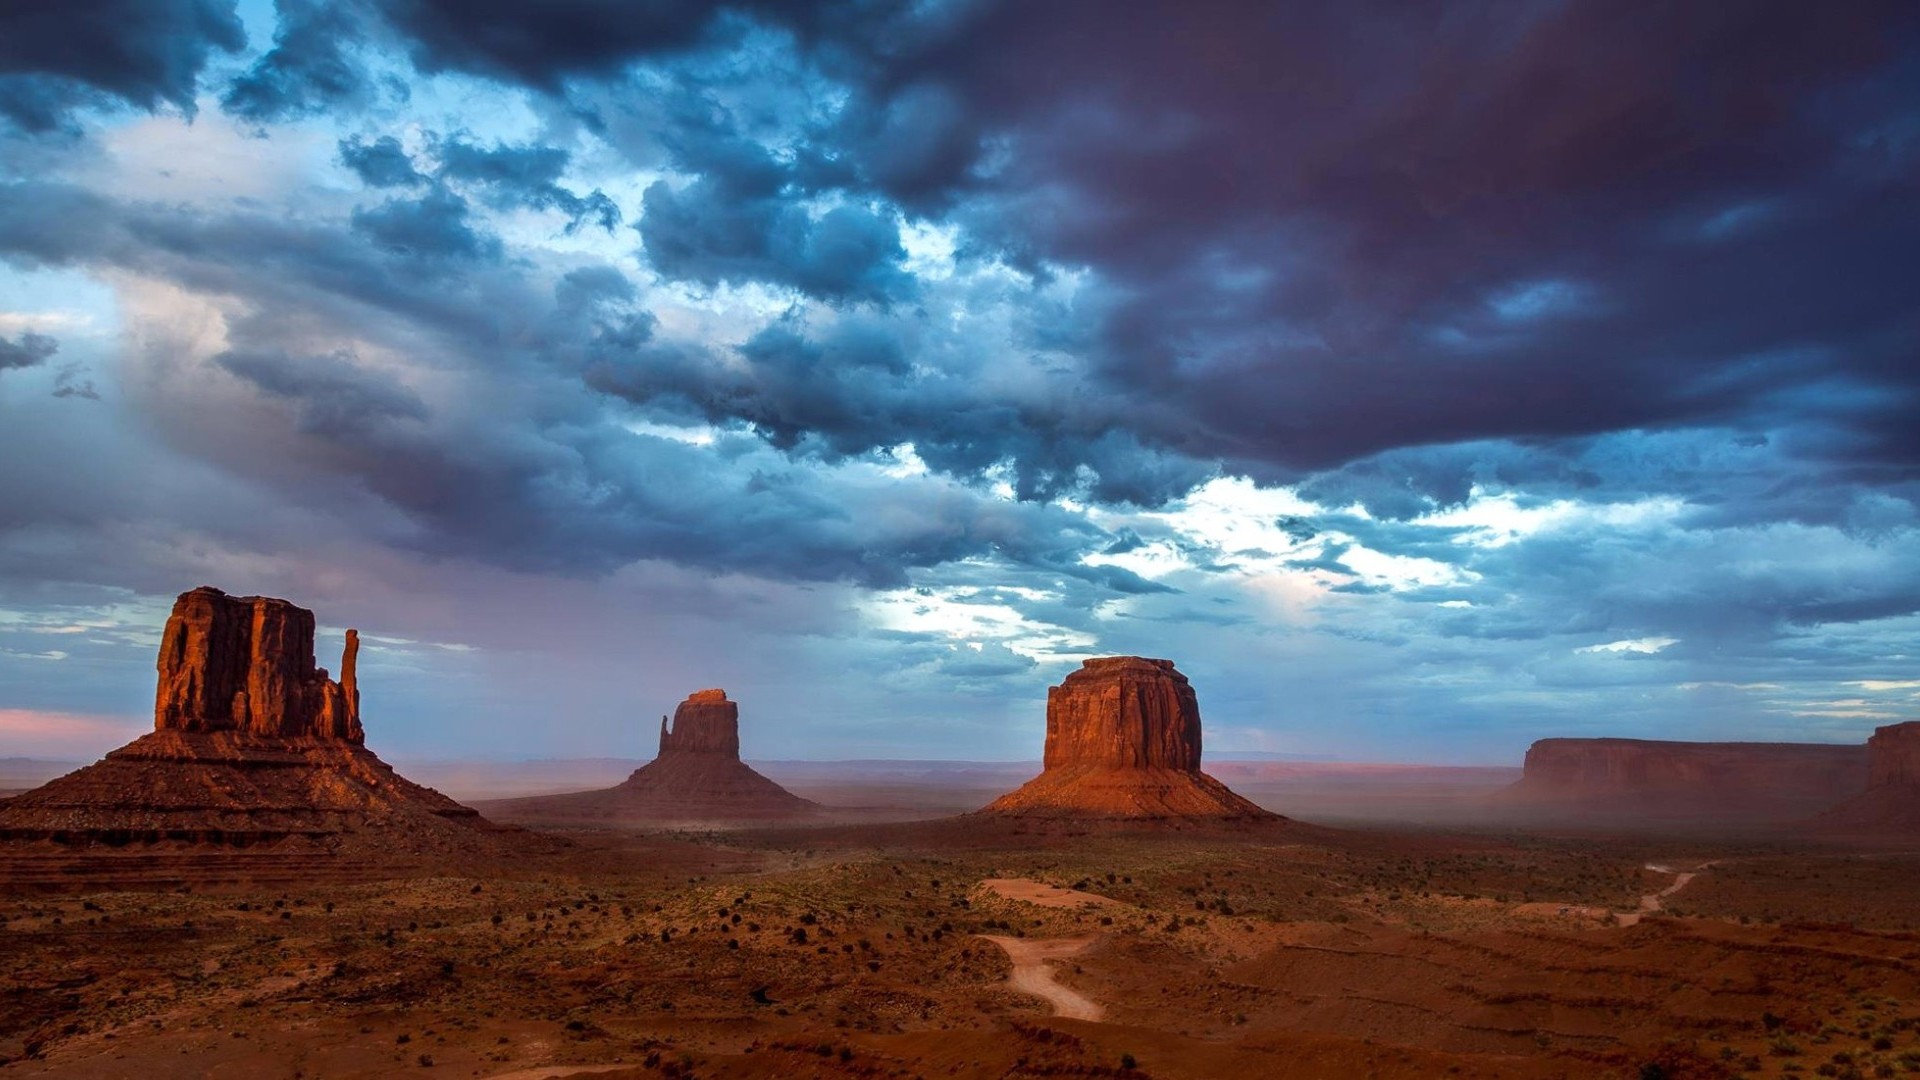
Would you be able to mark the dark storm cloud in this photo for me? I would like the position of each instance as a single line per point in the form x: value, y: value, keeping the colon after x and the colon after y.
x: 743, y: 220
x: 525, y: 176
x: 1342, y: 233
x: 311, y: 66
x: 55, y: 57
x: 380, y: 163
x: 544, y: 44
x: 852, y: 391
x: 27, y: 350
x: 437, y: 227
x: 1332, y: 233
x: 334, y: 396
x: 520, y: 469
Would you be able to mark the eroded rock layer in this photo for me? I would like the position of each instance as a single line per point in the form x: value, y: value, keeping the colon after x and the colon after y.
x: 1891, y: 803
x: 252, y: 746
x: 1123, y: 741
x: 245, y: 663
x: 1616, y: 779
x: 697, y: 777
x: 705, y: 723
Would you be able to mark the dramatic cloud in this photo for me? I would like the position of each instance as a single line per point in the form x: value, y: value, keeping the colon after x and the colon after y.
x: 1411, y: 374
x: 55, y: 57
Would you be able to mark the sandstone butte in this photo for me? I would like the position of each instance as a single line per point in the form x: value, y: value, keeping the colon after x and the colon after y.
x: 1123, y: 742
x: 252, y: 746
x: 1891, y: 803
x: 697, y: 777
x: 1605, y: 779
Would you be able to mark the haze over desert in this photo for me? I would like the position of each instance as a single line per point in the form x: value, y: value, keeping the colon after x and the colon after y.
x: 930, y: 539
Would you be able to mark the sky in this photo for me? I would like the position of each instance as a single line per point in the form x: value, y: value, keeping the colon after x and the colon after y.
x: 1422, y: 379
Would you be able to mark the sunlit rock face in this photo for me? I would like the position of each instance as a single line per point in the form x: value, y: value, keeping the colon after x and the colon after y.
x: 245, y: 664
x: 1123, y: 741
x: 705, y: 723
x: 251, y: 744
x: 1124, y: 712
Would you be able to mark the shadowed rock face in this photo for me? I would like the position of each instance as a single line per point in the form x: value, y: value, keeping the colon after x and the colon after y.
x: 245, y: 664
x: 1123, y: 741
x: 1894, y: 756
x: 1891, y: 803
x: 1650, y: 779
x: 705, y: 723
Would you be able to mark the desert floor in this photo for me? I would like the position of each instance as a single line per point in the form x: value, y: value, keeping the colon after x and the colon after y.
x: 889, y: 951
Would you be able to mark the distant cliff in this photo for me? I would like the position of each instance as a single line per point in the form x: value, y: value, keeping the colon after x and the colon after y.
x: 1891, y: 803
x: 1613, y: 779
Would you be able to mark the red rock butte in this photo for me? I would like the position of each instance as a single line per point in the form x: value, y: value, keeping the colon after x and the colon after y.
x: 245, y: 664
x: 1123, y: 742
x: 252, y: 745
x: 697, y: 777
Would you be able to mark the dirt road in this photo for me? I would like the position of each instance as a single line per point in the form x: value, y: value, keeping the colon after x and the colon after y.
x: 1651, y: 902
x: 1033, y: 975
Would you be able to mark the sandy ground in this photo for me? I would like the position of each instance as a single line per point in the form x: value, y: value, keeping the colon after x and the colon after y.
x: 1039, y: 892
x: 557, y: 1072
x: 1032, y: 973
x: 972, y: 948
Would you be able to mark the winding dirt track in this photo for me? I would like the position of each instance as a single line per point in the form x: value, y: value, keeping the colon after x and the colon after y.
x: 1651, y: 902
x: 1032, y: 974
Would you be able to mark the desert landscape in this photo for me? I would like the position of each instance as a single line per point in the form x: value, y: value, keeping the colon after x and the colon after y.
x: 952, y: 539
x: 249, y: 892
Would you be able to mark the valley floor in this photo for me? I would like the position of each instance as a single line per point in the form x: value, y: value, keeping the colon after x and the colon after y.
x: 890, y: 951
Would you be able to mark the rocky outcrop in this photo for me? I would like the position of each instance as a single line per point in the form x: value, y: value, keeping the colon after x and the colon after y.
x: 1123, y: 741
x: 245, y: 664
x: 1124, y: 712
x: 697, y: 778
x: 705, y: 723
x: 1891, y: 803
x: 1632, y: 779
x: 252, y: 745
x: 1893, y: 756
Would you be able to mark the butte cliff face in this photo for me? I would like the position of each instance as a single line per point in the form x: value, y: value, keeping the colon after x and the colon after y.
x: 1634, y: 779
x: 1123, y: 741
x: 245, y: 664
x: 697, y: 777
x: 252, y: 746
x: 1891, y: 803
x: 705, y: 723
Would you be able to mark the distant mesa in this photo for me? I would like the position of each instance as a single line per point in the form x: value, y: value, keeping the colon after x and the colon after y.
x: 1613, y: 780
x: 1891, y: 803
x: 1123, y: 742
x: 252, y: 744
x: 697, y: 777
